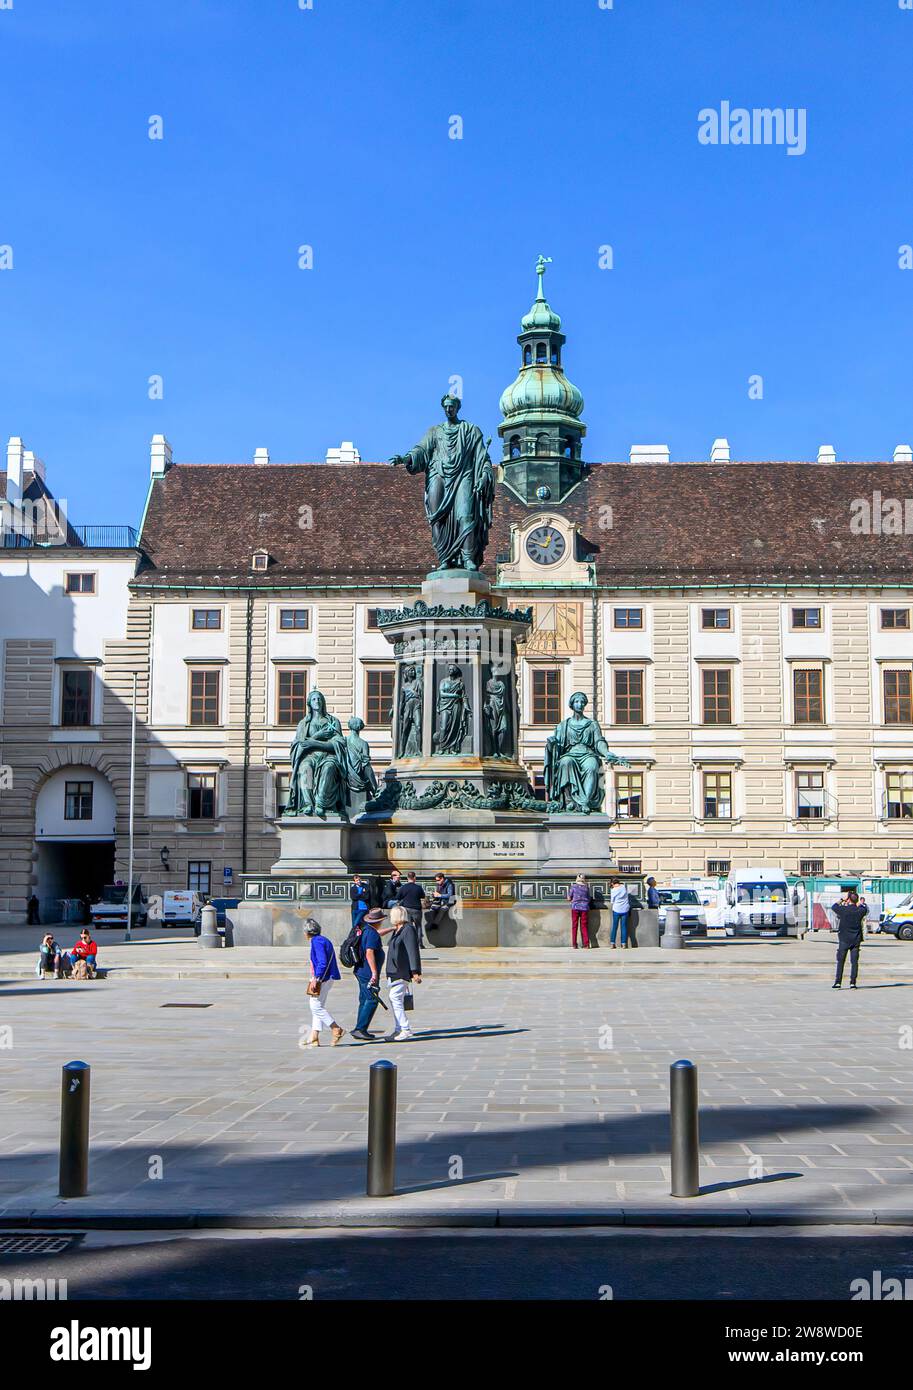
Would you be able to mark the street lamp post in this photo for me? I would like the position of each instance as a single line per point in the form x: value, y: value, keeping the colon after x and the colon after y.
x: 132, y: 790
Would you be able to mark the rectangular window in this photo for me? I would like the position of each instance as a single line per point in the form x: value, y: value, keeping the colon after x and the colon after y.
x: 717, y: 696
x: 291, y: 696
x: 379, y: 685
x: 204, y: 697
x: 806, y: 618
x: 718, y: 618
x: 893, y: 619
x: 811, y: 868
x: 629, y: 866
x: 371, y: 620
x: 718, y: 868
x: 898, y: 697
x: 199, y: 876
x: 201, y: 796
x: 80, y: 583
x: 77, y: 801
x: 546, y: 692
x: 900, y: 866
x: 629, y: 795
x: 75, y: 698
x: 899, y: 795
x: 629, y: 697
x: 810, y: 795
x: 294, y: 619
x: 808, y: 696
x: 628, y: 618
x: 718, y: 796
x: 206, y: 619
x: 283, y: 789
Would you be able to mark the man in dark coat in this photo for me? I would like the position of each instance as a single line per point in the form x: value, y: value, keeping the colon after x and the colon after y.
x: 850, y: 916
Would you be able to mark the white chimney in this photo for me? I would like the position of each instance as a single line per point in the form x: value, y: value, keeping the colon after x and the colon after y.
x: 34, y: 465
x: 719, y: 452
x: 903, y: 454
x: 261, y: 455
x: 649, y: 453
x: 346, y: 453
x: 15, y: 460
x: 826, y: 454
x: 160, y: 456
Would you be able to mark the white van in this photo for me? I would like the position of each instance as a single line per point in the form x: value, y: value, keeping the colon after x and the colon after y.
x: 181, y: 908
x: 759, y: 902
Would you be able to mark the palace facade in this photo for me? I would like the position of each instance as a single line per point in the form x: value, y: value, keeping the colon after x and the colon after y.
x: 745, y: 641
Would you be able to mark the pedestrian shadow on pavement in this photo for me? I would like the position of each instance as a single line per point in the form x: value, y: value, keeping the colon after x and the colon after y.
x: 445, y: 1034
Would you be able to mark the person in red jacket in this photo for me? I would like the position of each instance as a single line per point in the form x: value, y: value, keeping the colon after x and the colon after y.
x: 85, y: 949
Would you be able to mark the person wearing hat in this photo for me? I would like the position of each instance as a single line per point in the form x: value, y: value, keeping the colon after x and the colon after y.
x: 324, y: 970
x: 653, y: 899
x: 367, y: 972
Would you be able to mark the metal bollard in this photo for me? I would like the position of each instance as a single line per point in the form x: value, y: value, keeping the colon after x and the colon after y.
x: 210, y: 939
x: 381, y: 1129
x: 683, y: 1125
x: 74, y: 1129
x: 672, y: 939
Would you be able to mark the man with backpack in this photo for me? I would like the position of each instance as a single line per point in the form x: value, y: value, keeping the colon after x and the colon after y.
x: 363, y: 952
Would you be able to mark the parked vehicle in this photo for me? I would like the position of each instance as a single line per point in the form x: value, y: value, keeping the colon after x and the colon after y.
x: 899, y: 920
x: 111, y: 909
x: 222, y: 906
x: 181, y: 908
x: 759, y: 902
x: 692, y: 916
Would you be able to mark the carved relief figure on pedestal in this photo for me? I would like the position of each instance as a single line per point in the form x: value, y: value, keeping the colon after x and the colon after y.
x: 358, y: 757
x: 454, y: 715
x: 496, y: 716
x: 574, y: 757
x: 409, y: 715
x: 320, y: 769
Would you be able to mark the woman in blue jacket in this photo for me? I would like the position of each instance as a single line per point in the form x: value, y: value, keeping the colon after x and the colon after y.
x: 324, y: 970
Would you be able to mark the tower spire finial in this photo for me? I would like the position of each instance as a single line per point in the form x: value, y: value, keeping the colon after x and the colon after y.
x: 541, y: 263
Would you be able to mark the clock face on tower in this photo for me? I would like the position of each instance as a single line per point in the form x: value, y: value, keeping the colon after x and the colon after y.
x: 545, y: 545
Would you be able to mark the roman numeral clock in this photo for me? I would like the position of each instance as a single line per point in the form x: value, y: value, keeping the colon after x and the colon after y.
x: 545, y: 545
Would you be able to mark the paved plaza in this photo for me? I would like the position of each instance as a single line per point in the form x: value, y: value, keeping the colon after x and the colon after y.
x: 524, y: 1101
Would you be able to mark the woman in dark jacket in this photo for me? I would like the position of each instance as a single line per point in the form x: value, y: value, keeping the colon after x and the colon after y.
x: 404, y: 968
x: 324, y: 970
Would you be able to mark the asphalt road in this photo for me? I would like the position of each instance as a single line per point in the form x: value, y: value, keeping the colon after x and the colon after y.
x: 495, y: 1265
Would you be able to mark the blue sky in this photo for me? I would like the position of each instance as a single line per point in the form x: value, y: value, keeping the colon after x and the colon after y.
x: 329, y: 127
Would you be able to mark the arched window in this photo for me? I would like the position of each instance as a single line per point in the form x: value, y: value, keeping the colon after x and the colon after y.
x: 567, y: 447
x: 527, y: 355
x: 554, y: 357
x: 515, y: 446
x: 541, y: 353
x: 542, y: 444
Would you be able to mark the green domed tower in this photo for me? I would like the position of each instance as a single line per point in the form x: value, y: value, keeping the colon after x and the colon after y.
x: 541, y: 431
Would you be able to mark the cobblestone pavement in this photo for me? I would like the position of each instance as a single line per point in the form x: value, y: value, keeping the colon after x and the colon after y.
x: 519, y: 1102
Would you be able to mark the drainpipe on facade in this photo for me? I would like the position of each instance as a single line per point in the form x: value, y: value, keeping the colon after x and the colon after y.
x: 246, y: 770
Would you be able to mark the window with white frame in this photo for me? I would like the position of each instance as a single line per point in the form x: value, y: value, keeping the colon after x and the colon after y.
x: 810, y: 794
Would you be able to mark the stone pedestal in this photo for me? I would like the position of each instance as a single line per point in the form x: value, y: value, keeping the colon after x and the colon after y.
x: 311, y: 845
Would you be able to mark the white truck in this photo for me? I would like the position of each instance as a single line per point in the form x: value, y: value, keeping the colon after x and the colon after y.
x: 759, y: 902
x: 111, y: 908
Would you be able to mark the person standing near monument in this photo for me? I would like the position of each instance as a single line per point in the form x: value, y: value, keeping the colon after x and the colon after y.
x: 578, y: 895
x: 621, y: 906
x: 413, y: 898
x: 459, y: 487
x: 358, y: 897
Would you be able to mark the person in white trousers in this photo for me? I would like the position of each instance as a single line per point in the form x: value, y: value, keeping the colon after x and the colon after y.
x: 324, y: 970
x: 404, y: 968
